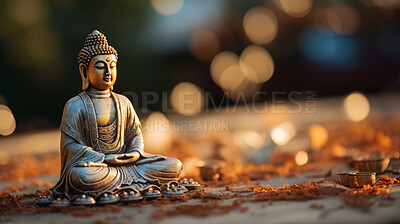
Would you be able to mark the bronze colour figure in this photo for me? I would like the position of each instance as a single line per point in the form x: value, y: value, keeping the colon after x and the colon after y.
x: 101, y: 140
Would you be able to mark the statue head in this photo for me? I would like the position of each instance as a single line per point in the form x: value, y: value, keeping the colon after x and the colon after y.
x: 97, y: 62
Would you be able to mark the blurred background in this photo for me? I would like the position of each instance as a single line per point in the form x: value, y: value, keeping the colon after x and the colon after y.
x: 221, y: 48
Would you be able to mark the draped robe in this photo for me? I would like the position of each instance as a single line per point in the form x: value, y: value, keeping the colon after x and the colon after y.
x: 80, y: 144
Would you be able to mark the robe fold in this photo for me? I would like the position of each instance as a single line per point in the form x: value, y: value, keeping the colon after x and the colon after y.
x: 80, y: 144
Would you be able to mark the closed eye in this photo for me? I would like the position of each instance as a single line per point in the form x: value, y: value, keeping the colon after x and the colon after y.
x: 99, y: 65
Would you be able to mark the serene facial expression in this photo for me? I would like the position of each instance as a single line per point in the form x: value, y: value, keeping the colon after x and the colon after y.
x: 102, y: 71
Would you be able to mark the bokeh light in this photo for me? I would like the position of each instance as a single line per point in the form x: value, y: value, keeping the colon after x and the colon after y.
x: 326, y: 47
x: 7, y: 121
x: 167, y: 7
x: 257, y: 64
x: 204, y: 45
x: 283, y: 133
x: 220, y: 63
x: 356, y: 106
x: 338, y: 150
x: 187, y: 98
x: 260, y: 25
x: 343, y: 18
x: 232, y: 77
x: 42, y: 45
x: 318, y: 136
x: 157, y: 133
x: 27, y: 12
x: 249, y: 139
x: 295, y: 8
x: 243, y: 76
x: 301, y: 158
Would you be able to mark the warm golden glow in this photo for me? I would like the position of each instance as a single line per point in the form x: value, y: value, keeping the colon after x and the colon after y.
x: 343, y: 18
x: 191, y: 165
x: 157, y: 133
x: 280, y: 136
x: 356, y: 106
x: 256, y: 64
x: 338, y: 150
x: 187, y: 98
x: 167, y: 7
x: 340, y: 17
x: 27, y: 12
x: 260, y: 25
x: 4, y: 158
x: 7, y: 121
x: 232, y: 77
x: 242, y: 77
x: 301, y: 158
x: 384, y: 140
x: 295, y: 8
x: 249, y: 139
x: 283, y: 133
x: 204, y: 45
x: 42, y: 44
x: 318, y: 136
x: 220, y: 63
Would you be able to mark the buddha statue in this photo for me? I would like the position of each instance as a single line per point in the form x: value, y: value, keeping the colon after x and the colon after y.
x: 101, y: 140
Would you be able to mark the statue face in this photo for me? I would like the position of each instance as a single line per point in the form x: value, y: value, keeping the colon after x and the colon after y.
x: 102, y: 71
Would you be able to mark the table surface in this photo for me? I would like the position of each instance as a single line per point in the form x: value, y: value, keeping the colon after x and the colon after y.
x: 332, y: 210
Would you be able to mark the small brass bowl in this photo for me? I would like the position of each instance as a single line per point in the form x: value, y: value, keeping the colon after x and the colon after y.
x: 365, y: 178
x: 345, y: 178
x: 357, y: 179
x: 353, y: 180
x: 372, y: 165
x: 212, y: 170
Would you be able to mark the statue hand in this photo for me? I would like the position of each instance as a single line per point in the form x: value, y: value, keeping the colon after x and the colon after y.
x: 111, y: 159
x: 135, y: 155
x: 91, y: 164
x: 121, y: 159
